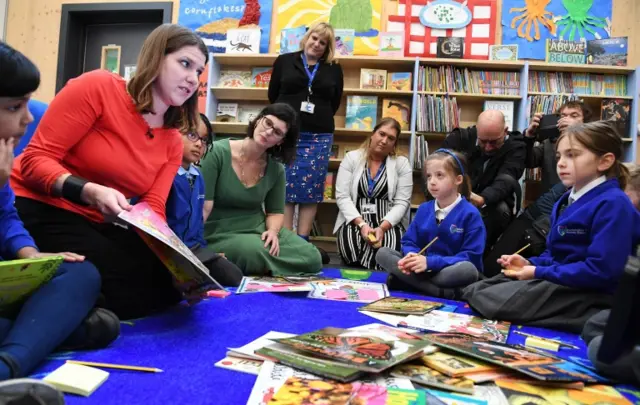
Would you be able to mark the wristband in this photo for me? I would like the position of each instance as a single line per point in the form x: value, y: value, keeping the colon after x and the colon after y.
x: 361, y: 224
x: 72, y: 189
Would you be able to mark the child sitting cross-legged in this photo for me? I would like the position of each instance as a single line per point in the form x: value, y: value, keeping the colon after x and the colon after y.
x: 454, y: 260
x: 186, y: 202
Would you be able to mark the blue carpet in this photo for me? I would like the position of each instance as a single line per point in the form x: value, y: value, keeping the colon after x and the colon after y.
x: 187, y: 342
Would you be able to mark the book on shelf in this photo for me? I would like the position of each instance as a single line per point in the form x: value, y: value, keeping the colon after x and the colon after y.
x: 609, y: 52
x: 345, y: 39
x: 618, y: 111
x: 261, y: 76
x: 533, y: 174
x: 452, y: 79
x: 290, y: 39
x: 243, y: 40
x: 362, y: 112
x: 400, y: 110
x: 235, y: 78
x: 247, y: 113
x: 578, y: 83
x: 421, y: 151
x: 391, y: 44
x: 329, y: 182
x: 227, y: 112
x: 546, y: 104
x: 437, y: 114
x: 450, y: 47
x: 399, y: 81
x: 562, y: 51
x: 375, y: 79
x: 503, y: 52
x: 506, y: 107
x: 335, y: 151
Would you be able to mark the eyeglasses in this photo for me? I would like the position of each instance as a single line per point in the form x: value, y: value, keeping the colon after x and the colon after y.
x: 194, y: 137
x: 492, y: 142
x: 269, y: 125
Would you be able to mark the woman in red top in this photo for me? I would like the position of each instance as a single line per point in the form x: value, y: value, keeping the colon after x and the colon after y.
x: 101, y: 142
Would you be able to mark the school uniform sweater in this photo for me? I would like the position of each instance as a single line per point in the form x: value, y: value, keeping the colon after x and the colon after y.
x: 590, y: 241
x: 13, y: 236
x: 184, y: 207
x: 461, y: 236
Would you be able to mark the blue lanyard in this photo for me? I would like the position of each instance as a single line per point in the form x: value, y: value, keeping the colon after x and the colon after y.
x: 372, y: 182
x: 310, y: 75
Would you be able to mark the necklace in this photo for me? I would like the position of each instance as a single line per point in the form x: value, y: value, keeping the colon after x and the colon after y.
x: 243, y: 160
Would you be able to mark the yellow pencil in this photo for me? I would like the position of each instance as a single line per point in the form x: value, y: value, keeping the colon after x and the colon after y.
x: 118, y: 366
x: 428, y: 244
x: 523, y: 249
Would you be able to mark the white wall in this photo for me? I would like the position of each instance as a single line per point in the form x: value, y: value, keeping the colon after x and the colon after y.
x: 4, y: 4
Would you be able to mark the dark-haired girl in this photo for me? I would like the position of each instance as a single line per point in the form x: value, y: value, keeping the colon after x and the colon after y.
x: 245, y: 197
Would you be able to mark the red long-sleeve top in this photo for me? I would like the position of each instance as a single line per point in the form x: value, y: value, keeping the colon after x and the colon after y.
x: 92, y: 130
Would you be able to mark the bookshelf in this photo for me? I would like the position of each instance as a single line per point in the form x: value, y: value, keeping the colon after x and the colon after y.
x: 470, y: 105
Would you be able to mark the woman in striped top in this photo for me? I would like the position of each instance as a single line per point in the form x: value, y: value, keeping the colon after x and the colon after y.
x: 373, y: 192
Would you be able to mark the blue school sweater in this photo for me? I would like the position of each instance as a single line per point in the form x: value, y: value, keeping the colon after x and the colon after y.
x: 184, y: 207
x: 588, y: 245
x: 13, y: 236
x: 461, y: 236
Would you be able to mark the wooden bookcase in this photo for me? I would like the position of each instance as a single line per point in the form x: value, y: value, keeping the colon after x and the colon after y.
x: 470, y: 105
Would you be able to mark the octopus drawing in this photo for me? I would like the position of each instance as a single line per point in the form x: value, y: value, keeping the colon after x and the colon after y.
x: 533, y: 14
x: 578, y: 18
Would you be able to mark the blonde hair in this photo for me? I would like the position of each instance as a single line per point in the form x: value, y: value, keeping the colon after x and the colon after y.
x: 600, y: 138
x: 324, y: 30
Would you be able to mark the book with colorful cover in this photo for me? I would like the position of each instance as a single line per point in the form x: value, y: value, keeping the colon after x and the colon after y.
x: 362, y: 351
x: 591, y: 395
x: 424, y: 375
x: 329, y: 181
x: 450, y: 398
x: 399, y: 81
x: 345, y: 39
x: 248, y: 113
x: 391, y: 44
x: 261, y: 76
x: 254, y: 284
x: 248, y: 351
x: 183, y: 264
x: 618, y: 111
x: 455, y: 365
x: 227, y: 112
x: 362, y: 112
x: 234, y: 78
x: 271, y: 377
x: 240, y: 364
x: 385, y: 332
x: 21, y: 278
x: 401, y: 306
x: 609, y: 51
x: 563, y: 371
x: 375, y: 79
x: 400, y: 110
x: 390, y: 319
x: 290, y: 39
x: 446, y: 322
x: 348, y: 290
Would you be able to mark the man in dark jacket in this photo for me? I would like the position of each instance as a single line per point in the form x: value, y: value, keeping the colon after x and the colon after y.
x: 496, y: 162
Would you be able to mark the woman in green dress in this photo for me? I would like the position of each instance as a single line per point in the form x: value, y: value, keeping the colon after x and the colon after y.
x: 245, y: 198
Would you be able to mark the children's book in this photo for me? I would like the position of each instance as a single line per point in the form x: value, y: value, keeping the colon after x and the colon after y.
x: 227, y: 112
x: 503, y: 52
x: 617, y: 110
x: 335, y: 151
x: 248, y: 113
x: 391, y: 44
x: 609, y: 51
x: 243, y: 40
x: 345, y: 39
x: 450, y: 47
x: 253, y: 284
x: 385, y: 332
x: 563, y: 371
x: 240, y: 364
x: 248, y: 351
x: 329, y: 181
x: 591, y: 395
x: 400, y: 110
x: 401, y: 306
x: 362, y: 112
x: 450, y: 398
x: 440, y: 321
x: 290, y: 39
x: 424, y: 375
x: 21, y: 278
x: 271, y: 377
x: 235, y: 78
x: 360, y: 351
x: 183, y: 264
x: 375, y: 79
x: 390, y: 319
x: 455, y: 365
x: 261, y: 76
x: 399, y: 81
x: 348, y: 290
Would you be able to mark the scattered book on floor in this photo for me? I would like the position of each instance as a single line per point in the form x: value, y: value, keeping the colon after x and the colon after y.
x: 455, y: 365
x: 240, y: 364
x: 591, y: 395
x: 348, y: 290
x: 77, y: 379
x: 391, y: 319
x: 401, y: 306
x: 423, y: 375
x: 254, y: 284
x: 440, y: 321
x: 21, y: 278
x: 248, y: 351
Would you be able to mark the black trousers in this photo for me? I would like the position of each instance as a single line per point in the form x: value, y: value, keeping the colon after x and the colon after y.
x: 135, y: 283
x: 496, y: 219
x: 511, y: 241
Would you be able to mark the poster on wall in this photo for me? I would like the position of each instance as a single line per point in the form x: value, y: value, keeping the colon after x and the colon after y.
x: 529, y: 24
x: 211, y: 19
x: 339, y: 13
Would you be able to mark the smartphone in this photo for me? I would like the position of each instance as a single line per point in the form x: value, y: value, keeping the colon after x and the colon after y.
x: 548, y: 128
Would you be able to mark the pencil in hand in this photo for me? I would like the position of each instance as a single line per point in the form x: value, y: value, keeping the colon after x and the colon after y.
x: 424, y: 249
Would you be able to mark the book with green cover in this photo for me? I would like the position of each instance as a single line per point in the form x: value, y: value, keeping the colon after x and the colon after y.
x: 424, y: 375
x: 21, y: 278
x: 401, y: 306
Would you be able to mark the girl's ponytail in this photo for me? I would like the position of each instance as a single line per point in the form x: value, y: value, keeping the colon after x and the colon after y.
x: 623, y: 174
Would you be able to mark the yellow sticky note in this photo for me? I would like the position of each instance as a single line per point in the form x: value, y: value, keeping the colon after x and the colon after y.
x: 541, y: 344
x: 77, y: 379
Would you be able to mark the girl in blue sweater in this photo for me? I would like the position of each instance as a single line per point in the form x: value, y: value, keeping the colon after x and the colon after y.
x: 594, y: 228
x: 454, y: 260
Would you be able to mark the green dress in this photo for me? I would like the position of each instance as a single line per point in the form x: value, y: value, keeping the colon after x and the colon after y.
x: 238, y: 220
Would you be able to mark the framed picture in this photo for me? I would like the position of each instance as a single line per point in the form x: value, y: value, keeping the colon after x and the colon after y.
x: 111, y: 58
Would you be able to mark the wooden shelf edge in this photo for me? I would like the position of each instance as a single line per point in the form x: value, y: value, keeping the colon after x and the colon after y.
x: 562, y: 67
x: 594, y: 96
x: 385, y: 92
x: 322, y: 238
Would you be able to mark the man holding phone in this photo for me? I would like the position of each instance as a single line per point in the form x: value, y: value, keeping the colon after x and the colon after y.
x: 532, y: 225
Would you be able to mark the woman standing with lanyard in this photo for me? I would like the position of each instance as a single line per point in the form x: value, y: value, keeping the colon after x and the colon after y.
x: 311, y: 82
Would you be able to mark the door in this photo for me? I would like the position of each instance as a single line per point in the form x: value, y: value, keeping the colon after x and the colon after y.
x: 128, y: 36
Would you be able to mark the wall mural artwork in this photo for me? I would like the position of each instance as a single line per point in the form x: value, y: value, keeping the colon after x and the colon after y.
x: 423, y: 21
x: 340, y: 14
x: 529, y: 23
x: 212, y: 18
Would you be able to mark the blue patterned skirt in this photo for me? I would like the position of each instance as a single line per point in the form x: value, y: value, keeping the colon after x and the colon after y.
x: 306, y: 175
